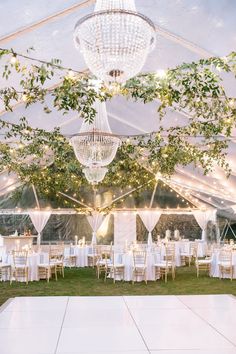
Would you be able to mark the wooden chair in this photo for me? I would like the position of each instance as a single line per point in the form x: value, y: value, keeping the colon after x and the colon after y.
x: 189, y: 255
x: 94, y: 256
x: 104, y: 255
x: 225, y: 264
x: 163, y: 268
x: 139, y: 265
x: 71, y: 258
x: 204, y: 264
x: 5, y: 271
x: 45, y: 271
x: 115, y: 269
x: 20, y: 267
x: 56, y: 258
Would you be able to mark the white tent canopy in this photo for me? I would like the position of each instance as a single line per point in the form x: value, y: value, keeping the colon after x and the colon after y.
x: 187, y: 30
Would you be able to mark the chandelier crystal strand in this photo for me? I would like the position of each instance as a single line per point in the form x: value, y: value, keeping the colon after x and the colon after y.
x: 115, y: 40
x: 95, y: 175
x: 95, y: 145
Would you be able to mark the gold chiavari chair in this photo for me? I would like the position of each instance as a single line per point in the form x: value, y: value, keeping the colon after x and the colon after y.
x: 55, y: 263
x: 115, y: 268
x: 103, y: 260
x: 5, y: 271
x: 20, y: 267
x: 189, y: 255
x: 204, y: 263
x: 56, y: 258
x: 163, y: 268
x: 139, y: 265
x: 71, y: 258
x: 225, y: 263
x: 94, y: 256
x: 45, y: 269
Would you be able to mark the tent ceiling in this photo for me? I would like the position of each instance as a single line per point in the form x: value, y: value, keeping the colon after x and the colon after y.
x: 186, y: 31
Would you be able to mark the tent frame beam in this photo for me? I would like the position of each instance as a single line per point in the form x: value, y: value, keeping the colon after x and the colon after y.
x: 66, y: 211
x: 226, y: 228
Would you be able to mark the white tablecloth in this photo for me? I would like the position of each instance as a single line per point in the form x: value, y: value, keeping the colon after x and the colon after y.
x: 201, y: 251
x: 81, y: 254
x: 2, y: 252
x: 1, y: 241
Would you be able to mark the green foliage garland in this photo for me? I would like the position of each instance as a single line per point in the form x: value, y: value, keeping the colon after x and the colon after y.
x: 46, y: 159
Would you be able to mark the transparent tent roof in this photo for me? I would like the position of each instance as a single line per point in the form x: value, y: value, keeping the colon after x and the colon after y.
x: 187, y: 30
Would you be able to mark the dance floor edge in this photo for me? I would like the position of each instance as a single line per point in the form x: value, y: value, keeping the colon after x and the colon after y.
x: 196, y: 324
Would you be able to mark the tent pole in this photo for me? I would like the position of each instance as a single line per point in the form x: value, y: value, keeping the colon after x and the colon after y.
x: 153, y: 195
x: 36, y: 196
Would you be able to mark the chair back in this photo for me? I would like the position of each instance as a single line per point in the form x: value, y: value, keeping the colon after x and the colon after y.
x: 56, y: 252
x: 209, y: 249
x: 193, y: 250
x: 139, y: 258
x: 170, y: 254
x: 225, y: 256
x: 20, y: 258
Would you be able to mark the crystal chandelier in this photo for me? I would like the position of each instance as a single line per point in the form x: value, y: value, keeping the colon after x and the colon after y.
x: 95, y: 175
x: 115, y: 40
x: 95, y: 145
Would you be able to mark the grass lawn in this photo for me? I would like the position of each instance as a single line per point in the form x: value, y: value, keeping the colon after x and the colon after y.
x: 83, y: 282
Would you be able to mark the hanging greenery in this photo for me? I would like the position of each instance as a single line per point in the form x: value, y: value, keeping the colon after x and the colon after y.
x: 46, y: 159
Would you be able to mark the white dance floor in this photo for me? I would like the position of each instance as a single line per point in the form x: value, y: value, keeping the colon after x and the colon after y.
x: 121, y: 325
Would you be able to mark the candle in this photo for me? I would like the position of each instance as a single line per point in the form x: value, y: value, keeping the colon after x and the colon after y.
x: 76, y: 240
x: 176, y: 234
x: 168, y: 234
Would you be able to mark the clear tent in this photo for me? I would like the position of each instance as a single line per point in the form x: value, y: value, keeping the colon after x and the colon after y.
x: 187, y: 30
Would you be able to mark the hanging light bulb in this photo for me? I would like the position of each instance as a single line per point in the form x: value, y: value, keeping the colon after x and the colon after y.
x: 95, y: 145
x: 95, y: 175
x: 115, y: 40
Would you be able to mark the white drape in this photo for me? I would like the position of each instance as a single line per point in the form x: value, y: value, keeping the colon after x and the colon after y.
x: 124, y: 228
x: 150, y: 218
x: 95, y: 221
x: 202, y: 217
x: 39, y: 220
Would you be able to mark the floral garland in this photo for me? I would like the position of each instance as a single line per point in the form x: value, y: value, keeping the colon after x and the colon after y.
x: 46, y: 159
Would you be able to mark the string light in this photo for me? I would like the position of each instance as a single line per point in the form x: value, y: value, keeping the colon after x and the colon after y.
x: 24, y: 98
x: 161, y: 73
x: 13, y: 59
